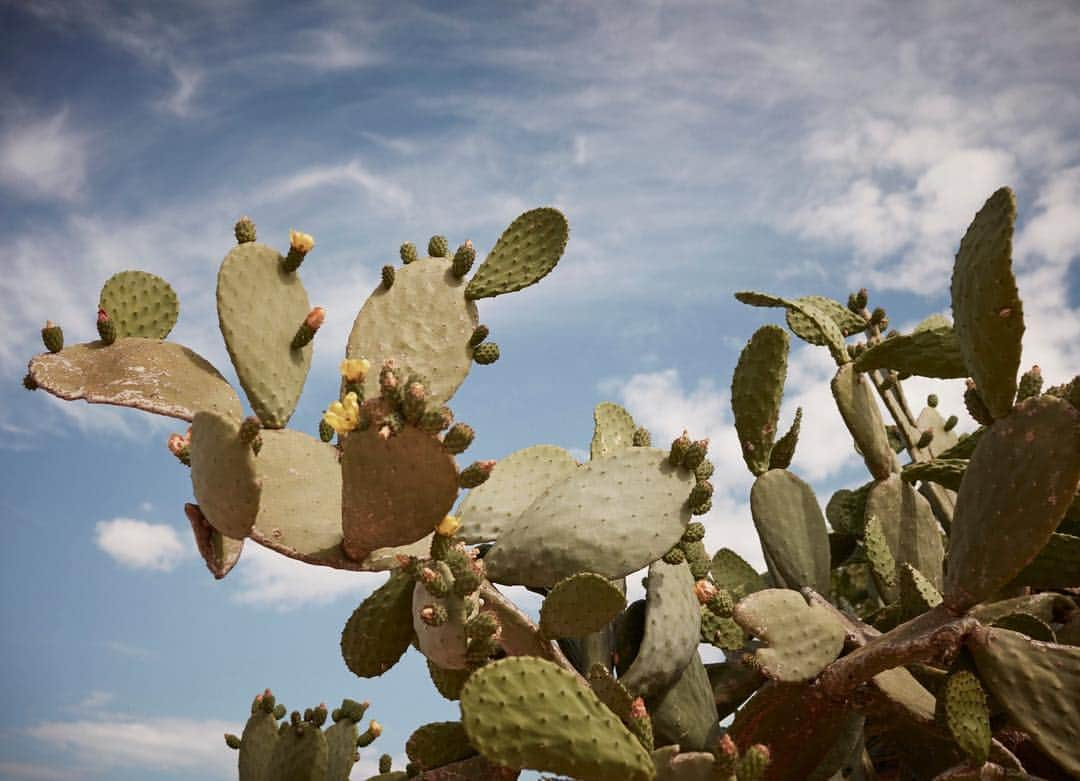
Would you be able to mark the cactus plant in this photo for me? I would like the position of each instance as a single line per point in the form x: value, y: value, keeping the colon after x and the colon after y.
x: 917, y: 632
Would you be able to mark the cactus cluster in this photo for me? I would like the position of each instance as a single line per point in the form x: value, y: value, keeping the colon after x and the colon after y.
x: 926, y: 624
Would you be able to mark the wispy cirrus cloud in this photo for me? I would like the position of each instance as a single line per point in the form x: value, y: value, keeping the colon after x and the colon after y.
x: 43, y: 157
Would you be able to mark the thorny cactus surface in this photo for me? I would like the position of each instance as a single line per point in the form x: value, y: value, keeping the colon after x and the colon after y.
x: 926, y: 625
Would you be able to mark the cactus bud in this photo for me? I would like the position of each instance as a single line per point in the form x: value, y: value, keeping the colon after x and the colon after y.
x: 475, y: 474
x: 932, y: 400
x: 180, y: 446
x: 879, y: 318
x: 482, y: 625
x: 407, y: 252
x: 925, y: 438
x: 106, y: 327
x: 53, y: 337
x: 413, y: 400
x: 950, y: 424
x: 701, y: 509
x: 390, y: 424
x: 387, y: 277
x: 389, y: 382
x: 249, y: 429
x: 976, y: 407
x: 705, y: 591
x: 753, y: 763
x: 300, y: 244
x: 695, y: 531
x: 435, y: 420
x: 479, y: 334
x: 232, y: 741
x: 326, y: 431
x: 319, y: 714
x: 438, y: 247
x: 486, y: 353
x: 722, y: 603
x: 244, y: 230
x: 695, y: 454
x: 887, y: 382
x: 29, y: 382
x: 679, y: 448
x: 704, y: 470
x: 385, y: 763
x: 642, y: 437
x: 306, y: 332
x: 367, y: 737
x: 458, y: 438
x: 279, y: 711
x: 463, y: 260
x: 355, y: 369
x: 1030, y: 382
x: 726, y: 754
x: 448, y: 526
x: 433, y: 615
x: 675, y: 556
x: 858, y: 301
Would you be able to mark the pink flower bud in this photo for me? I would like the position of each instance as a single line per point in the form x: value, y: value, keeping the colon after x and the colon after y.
x: 315, y: 318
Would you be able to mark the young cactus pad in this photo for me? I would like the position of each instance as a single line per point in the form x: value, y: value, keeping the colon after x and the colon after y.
x: 140, y: 304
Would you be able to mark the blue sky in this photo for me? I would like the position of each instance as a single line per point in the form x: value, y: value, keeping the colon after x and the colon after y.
x: 697, y: 148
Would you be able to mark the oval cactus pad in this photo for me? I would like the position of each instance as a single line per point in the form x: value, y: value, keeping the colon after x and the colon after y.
x: 613, y: 429
x: 140, y: 304
x: 423, y: 323
x: 260, y: 307
x: 526, y: 252
x: 223, y: 474
x: 613, y: 516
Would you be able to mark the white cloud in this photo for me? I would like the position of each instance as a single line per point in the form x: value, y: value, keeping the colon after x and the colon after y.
x: 331, y: 50
x: 95, y: 700
x: 188, y: 80
x: 268, y: 579
x: 382, y: 190
x: 44, y: 157
x: 32, y: 772
x: 141, y: 545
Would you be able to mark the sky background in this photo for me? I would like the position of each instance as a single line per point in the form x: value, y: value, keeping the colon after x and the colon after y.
x: 696, y: 148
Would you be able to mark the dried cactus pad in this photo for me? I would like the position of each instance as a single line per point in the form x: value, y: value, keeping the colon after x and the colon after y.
x: 613, y: 429
x: 260, y: 307
x: 530, y: 713
x: 526, y: 252
x: 514, y: 484
x: 159, y: 377
x: 588, y: 522
x: 986, y: 305
x: 802, y: 638
x: 393, y: 490
x: 423, y: 323
x: 218, y: 551
x: 223, y: 474
x: 140, y: 304
x: 579, y: 605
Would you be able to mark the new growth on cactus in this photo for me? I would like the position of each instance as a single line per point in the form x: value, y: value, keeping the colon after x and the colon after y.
x: 925, y: 625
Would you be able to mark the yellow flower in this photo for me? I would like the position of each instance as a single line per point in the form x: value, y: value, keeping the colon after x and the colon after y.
x: 343, y: 417
x: 355, y: 369
x: 301, y: 242
x: 375, y: 728
x: 448, y: 526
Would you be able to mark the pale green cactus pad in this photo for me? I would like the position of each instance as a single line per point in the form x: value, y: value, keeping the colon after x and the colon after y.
x: 380, y: 629
x: 613, y: 429
x: 847, y: 321
x: 1019, y: 483
x: 341, y: 749
x: 686, y: 712
x: 515, y: 483
x: 917, y: 593
x: 140, y: 304
x: 525, y: 253
x: 933, y: 352
x: 792, y: 530
x: 757, y: 388
x: 300, y: 754
x: 910, y: 527
x: 218, y: 551
x: 580, y: 605
x: 423, y: 323
x: 1036, y: 683
x: 530, y: 713
x: 946, y: 472
x: 395, y: 490
x: 257, y: 746
x: 801, y: 638
x: 223, y: 475
x: 585, y: 523
x: 672, y: 628
x: 260, y: 307
x: 879, y: 556
x: 731, y: 572
x: 930, y: 420
x: 986, y: 305
x: 967, y: 714
x: 854, y: 398
x: 146, y: 374
x: 816, y: 327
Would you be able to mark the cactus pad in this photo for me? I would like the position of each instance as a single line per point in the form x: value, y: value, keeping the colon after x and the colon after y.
x: 140, y: 304
x: 930, y: 420
x: 816, y: 327
x: 757, y: 388
x: 260, y: 306
x: 855, y: 399
x: 580, y: 605
x: 257, y: 746
x: 439, y: 743
x: 686, y: 712
x: 423, y: 323
x: 530, y: 713
x: 613, y: 429
x: 585, y: 523
x: 515, y: 483
x: 380, y: 629
x: 447, y: 682
x: 933, y: 352
x: 300, y: 754
x: 394, y: 490
x: 1019, y: 483
x: 986, y: 306
x: 146, y: 374
x: 909, y: 524
x: 525, y: 253
x: 445, y: 644
x: 218, y: 551
x: 847, y: 321
x: 732, y: 573
x: 966, y: 714
x: 802, y: 638
x: 1056, y: 566
x: 223, y: 474
x: 792, y: 530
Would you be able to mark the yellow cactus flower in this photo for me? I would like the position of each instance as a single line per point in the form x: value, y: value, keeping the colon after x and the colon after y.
x: 301, y: 242
x: 344, y: 416
x: 355, y: 369
x: 448, y: 526
x: 375, y: 728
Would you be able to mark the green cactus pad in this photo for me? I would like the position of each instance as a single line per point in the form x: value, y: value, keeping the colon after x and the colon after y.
x: 1056, y: 566
x: 910, y: 527
x: 260, y: 306
x: 1027, y: 624
x: 257, y: 746
x: 672, y: 631
x: 146, y: 374
x: 732, y: 573
x: 610, y: 691
x: 847, y: 321
x: 395, y: 490
x: 815, y: 325
x: 341, y: 749
x: 439, y: 743
x: 218, y: 551
x: 917, y: 593
x: 300, y: 754
x: 515, y: 483
x: 380, y: 629
x: 447, y: 682
x: 140, y: 304
x: 792, y: 530
x: 580, y: 605
x: 223, y: 474
x: 530, y: 713
x: 802, y: 638
x: 423, y: 323
x: 1036, y: 683
x: 525, y: 253
x: 1019, y: 482
x: 986, y: 306
x: 854, y: 397
x: 586, y: 523
x: 732, y: 683
x: 929, y: 353
x: 784, y: 449
x: 757, y: 388
x: 946, y: 472
x: 685, y: 713
x: 880, y: 557
x: 613, y: 429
